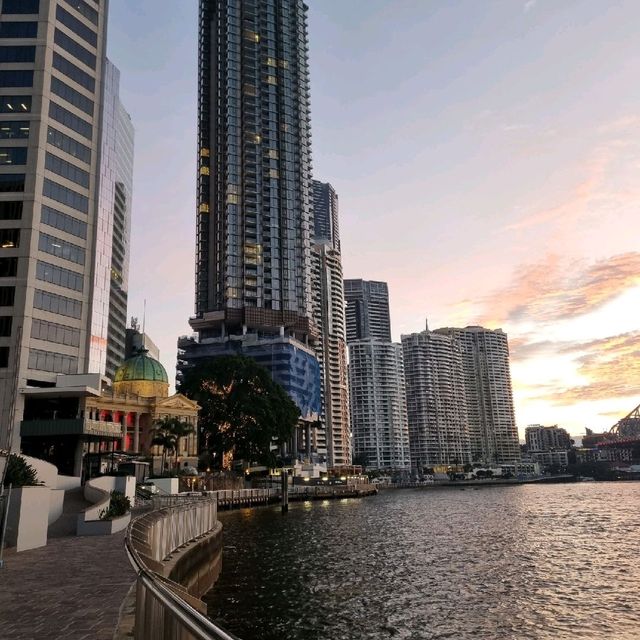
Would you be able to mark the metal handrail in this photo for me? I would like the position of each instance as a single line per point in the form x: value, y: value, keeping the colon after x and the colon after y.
x: 194, y: 622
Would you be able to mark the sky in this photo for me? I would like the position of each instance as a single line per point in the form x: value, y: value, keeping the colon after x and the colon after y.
x: 487, y: 161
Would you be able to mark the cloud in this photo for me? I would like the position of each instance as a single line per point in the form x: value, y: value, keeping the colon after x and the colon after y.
x: 529, y: 5
x: 558, y: 288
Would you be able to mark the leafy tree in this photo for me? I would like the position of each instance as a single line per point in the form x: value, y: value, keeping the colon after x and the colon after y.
x: 167, y: 434
x: 20, y: 473
x: 244, y: 412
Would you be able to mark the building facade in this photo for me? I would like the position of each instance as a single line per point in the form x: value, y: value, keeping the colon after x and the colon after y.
x: 367, y: 310
x: 326, y: 224
x: 378, y: 405
x: 487, y: 380
x: 254, y: 198
x: 540, y: 438
x: 55, y: 228
x: 436, y: 401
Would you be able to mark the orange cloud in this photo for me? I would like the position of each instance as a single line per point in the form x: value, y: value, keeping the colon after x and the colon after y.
x: 560, y: 288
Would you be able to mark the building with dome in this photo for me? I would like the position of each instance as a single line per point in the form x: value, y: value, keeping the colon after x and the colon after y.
x: 84, y: 419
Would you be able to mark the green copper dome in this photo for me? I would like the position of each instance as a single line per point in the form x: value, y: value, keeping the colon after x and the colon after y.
x: 141, y: 367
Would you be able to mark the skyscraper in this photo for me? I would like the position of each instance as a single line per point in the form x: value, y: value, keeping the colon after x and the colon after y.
x: 254, y: 210
x: 367, y: 310
x: 436, y: 401
x: 492, y: 427
x: 378, y: 405
x: 329, y: 316
x: 56, y: 219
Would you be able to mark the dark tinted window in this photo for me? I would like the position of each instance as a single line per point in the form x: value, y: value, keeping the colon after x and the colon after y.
x: 61, y: 248
x: 19, y: 78
x: 11, y: 182
x: 64, y: 222
x: 17, y: 54
x: 66, y: 196
x: 57, y: 304
x: 53, y: 362
x: 75, y: 49
x: 11, y: 210
x: 18, y: 29
x: 8, y: 268
x: 53, y: 332
x: 14, y: 129
x: 15, y: 104
x: 9, y: 238
x: 78, y: 27
x: 67, y: 144
x: 84, y: 9
x: 20, y: 6
x: 57, y: 275
x: 5, y: 325
x: 70, y: 120
x: 72, y: 71
x: 7, y: 296
x: 71, y: 95
x: 4, y: 357
x: 65, y: 169
x: 13, y: 155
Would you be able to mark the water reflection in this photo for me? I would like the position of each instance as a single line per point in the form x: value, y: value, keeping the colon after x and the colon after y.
x: 535, y: 562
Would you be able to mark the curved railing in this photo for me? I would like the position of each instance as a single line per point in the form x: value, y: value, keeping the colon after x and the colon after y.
x: 165, y: 609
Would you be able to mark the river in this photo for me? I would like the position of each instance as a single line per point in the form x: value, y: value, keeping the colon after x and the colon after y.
x: 543, y: 562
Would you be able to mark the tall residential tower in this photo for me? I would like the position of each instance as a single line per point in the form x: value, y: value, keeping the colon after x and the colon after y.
x: 56, y: 200
x: 367, y: 310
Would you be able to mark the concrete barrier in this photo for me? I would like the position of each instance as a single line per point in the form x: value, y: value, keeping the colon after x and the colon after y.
x: 98, y: 491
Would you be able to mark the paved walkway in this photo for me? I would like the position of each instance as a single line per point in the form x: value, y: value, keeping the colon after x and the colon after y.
x: 72, y: 588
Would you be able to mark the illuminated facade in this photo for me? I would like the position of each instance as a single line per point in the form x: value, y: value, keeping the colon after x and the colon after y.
x: 56, y: 221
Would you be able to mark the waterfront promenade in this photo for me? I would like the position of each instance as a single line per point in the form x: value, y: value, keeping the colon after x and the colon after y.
x: 72, y: 588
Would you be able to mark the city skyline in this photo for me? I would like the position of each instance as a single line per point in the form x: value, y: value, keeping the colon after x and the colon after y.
x: 461, y: 129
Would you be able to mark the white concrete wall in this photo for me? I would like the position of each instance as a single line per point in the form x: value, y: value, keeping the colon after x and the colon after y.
x: 99, y: 491
x: 28, y: 518
x: 56, y: 504
x: 167, y: 485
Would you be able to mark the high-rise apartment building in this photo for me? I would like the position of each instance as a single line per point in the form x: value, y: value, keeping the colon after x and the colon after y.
x: 436, y: 401
x: 367, y: 310
x: 378, y: 405
x: 541, y: 438
x: 325, y: 215
x: 329, y: 317
x: 254, y: 209
x: 492, y: 427
x: 56, y: 217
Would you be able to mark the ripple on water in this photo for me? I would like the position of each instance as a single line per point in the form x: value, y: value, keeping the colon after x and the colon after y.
x: 533, y: 562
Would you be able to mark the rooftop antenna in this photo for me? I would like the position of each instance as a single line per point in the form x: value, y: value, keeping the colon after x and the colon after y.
x: 144, y: 315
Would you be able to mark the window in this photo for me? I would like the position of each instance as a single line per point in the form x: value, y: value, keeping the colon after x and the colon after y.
x: 75, y: 49
x: 18, y: 30
x: 17, y: 54
x: 66, y: 196
x: 71, y: 71
x: 11, y: 182
x: 64, y: 169
x: 13, y: 155
x: 4, y: 357
x: 14, y: 129
x: 78, y: 27
x: 6, y: 323
x: 19, y: 78
x: 9, y: 238
x: 65, y: 117
x: 57, y: 275
x: 72, y: 96
x: 11, y: 210
x: 68, y: 145
x: 57, y: 304
x: 62, y: 221
x: 53, y: 362
x: 15, y: 104
x: 53, y: 332
x: 8, y: 269
x: 7, y: 296
x: 84, y: 9
x: 20, y: 6
x: 61, y: 248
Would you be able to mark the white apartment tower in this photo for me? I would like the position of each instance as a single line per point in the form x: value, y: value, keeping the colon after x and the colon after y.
x: 492, y: 427
x: 378, y: 405
x: 436, y: 401
x: 57, y: 200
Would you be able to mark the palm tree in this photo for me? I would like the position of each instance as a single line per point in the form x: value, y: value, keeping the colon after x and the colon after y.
x: 168, y: 432
x: 180, y: 429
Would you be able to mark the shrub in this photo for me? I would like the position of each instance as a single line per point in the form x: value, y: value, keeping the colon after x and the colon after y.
x: 119, y: 505
x: 20, y: 473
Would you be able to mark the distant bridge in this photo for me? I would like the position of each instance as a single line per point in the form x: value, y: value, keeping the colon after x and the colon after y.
x: 624, y: 432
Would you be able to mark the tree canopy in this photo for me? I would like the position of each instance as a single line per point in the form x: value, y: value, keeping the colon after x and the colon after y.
x: 244, y: 412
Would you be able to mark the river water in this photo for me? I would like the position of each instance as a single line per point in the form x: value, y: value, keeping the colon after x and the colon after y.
x: 548, y: 562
